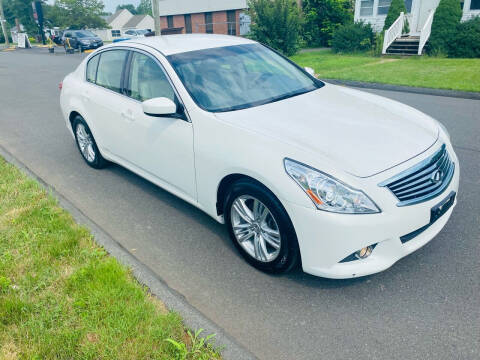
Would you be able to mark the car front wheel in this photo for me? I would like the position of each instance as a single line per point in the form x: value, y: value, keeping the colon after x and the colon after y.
x: 260, y: 227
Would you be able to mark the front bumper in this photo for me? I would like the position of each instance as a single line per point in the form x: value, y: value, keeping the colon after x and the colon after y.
x: 325, y: 239
x: 91, y: 46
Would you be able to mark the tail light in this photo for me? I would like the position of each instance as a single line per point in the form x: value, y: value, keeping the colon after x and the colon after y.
x: 60, y: 85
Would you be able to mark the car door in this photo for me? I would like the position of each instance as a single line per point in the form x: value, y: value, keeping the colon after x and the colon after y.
x: 103, y: 100
x: 160, y: 146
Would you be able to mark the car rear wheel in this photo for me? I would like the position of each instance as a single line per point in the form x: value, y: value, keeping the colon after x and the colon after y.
x: 86, y: 144
x: 260, y: 227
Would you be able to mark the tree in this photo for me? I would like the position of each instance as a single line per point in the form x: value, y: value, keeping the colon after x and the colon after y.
x: 444, y: 26
x: 323, y: 17
x: 128, y: 7
x: 76, y: 14
x: 22, y: 10
x: 276, y: 23
x: 145, y: 7
x: 396, y: 7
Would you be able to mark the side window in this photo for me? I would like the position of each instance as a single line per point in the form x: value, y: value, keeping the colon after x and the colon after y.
x: 208, y: 23
x: 130, y: 32
x: 92, y: 69
x: 147, y: 79
x: 110, y: 68
x: 116, y: 33
x: 68, y: 35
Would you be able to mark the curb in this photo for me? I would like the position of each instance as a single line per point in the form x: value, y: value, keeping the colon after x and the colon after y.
x: 192, y: 318
x: 407, y: 89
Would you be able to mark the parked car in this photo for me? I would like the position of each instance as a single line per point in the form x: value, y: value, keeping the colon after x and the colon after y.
x: 301, y: 171
x: 82, y: 39
x: 134, y: 33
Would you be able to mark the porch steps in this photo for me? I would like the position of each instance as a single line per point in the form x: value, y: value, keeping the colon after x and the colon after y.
x: 405, y: 46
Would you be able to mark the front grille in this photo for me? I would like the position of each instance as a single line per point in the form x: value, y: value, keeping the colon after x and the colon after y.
x: 423, y: 181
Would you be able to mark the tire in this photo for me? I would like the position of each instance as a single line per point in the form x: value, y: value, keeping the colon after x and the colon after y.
x: 86, y: 144
x: 277, y: 260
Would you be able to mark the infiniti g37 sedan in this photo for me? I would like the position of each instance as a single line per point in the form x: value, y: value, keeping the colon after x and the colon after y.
x: 341, y: 181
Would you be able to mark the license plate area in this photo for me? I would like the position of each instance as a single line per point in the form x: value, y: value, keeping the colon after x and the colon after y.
x: 436, y: 213
x: 438, y: 210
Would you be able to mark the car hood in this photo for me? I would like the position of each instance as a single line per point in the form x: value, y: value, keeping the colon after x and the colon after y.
x: 361, y: 133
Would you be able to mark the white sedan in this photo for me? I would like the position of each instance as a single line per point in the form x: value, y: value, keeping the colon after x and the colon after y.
x: 341, y: 181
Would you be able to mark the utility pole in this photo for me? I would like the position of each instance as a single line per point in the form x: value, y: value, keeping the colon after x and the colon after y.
x: 156, y: 17
x: 3, y: 22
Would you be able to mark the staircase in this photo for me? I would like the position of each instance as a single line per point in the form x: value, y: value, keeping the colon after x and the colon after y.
x: 405, y: 46
x: 394, y: 43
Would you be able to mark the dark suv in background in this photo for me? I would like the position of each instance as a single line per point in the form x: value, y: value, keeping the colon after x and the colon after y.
x: 82, y: 39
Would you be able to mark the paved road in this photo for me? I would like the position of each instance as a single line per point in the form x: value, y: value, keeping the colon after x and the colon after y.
x: 427, y: 306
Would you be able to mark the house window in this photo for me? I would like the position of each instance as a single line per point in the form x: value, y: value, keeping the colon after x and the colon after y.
x: 383, y: 6
x: 366, y: 7
x: 408, y: 5
x: 116, y: 33
x: 475, y: 5
x: 188, y: 23
x: 170, y: 21
x: 232, y: 22
x: 208, y: 23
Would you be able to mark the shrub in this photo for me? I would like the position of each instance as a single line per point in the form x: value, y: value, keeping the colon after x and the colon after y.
x: 378, y: 47
x: 2, y: 38
x: 353, y: 38
x: 322, y: 18
x: 276, y: 23
x: 396, y: 7
x: 444, y: 26
x: 466, y: 42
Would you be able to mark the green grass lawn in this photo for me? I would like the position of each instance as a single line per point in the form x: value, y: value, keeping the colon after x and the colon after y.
x: 63, y: 297
x: 424, y: 71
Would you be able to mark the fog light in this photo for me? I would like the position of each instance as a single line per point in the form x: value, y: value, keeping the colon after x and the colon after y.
x: 364, y: 253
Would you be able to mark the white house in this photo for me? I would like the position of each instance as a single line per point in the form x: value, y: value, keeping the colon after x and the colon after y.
x: 121, y: 21
x: 419, y: 16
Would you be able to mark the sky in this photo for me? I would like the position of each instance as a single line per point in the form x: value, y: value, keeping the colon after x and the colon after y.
x: 111, y: 5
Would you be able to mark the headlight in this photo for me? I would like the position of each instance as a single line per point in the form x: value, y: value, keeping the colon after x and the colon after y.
x: 327, y: 193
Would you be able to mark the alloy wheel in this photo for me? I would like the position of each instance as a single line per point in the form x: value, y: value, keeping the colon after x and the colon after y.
x: 255, y: 228
x: 85, y: 143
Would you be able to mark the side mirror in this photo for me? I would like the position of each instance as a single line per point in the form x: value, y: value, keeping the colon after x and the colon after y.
x: 310, y: 71
x: 161, y: 106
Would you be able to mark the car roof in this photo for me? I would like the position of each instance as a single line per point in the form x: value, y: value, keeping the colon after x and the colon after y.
x: 174, y: 44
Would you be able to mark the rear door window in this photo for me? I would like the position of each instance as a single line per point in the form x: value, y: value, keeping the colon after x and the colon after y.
x: 92, y: 69
x: 110, y: 69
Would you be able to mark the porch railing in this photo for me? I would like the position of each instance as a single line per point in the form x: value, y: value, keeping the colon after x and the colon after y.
x: 393, y: 32
x: 426, y: 31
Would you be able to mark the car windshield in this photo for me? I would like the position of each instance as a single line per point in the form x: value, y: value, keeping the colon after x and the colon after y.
x: 141, y: 32
x: 238, y: 77
x: 84, y: 34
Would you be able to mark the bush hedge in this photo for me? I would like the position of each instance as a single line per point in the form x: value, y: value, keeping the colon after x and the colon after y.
x: 466, y: 41
x: 276, y: 23
x: 444, y: 27
x: 353, y: 37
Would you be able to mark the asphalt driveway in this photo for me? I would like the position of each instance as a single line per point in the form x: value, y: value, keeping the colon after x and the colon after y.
x: 427, y: 306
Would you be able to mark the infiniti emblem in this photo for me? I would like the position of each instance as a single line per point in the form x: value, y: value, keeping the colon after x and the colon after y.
x: 436, y: 176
